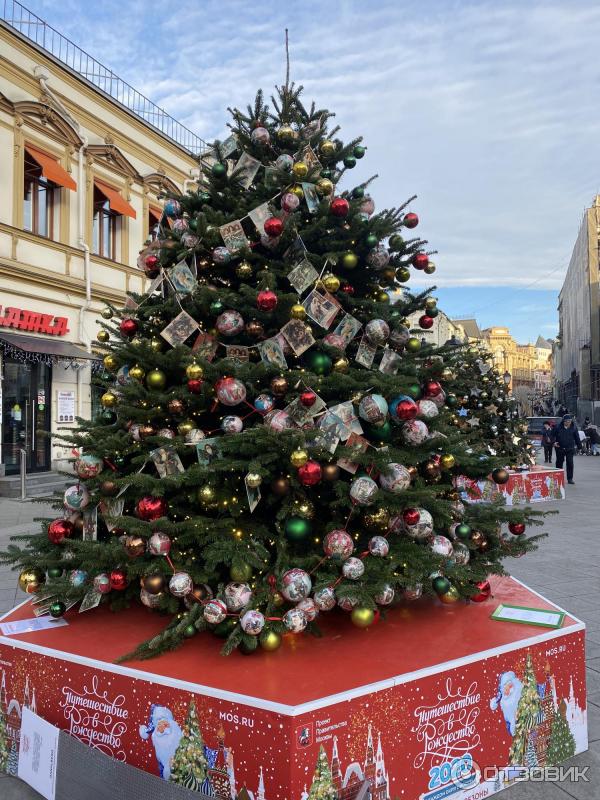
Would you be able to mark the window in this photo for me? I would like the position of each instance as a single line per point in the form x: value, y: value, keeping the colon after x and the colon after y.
x: 41, y: 198
x: 154, y: 218
x: 106, y: 226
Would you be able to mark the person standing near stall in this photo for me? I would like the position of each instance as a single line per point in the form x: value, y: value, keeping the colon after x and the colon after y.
x: 566, y: 439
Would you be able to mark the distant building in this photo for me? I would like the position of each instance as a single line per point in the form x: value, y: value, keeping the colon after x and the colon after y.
x: 470, y: 329
x: 442, y: 330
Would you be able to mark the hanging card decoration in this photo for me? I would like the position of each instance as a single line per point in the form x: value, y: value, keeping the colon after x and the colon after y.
x: 182, y: 278
x: 311, y: 197
x: 246, y: 169
x: 179, y: 329
x: 365, y: 354
x: 237, y: 352
x: 302, y: 276
x: 166, y: 461
x: 234, y: 236
x: 390, y: 362
x: 259, y: 216
x: 347, y: 328
x: 298, y: 336
x: 90, y: 524
x: 271, y: 352
x: 322, y: 308
x: 359, y: 445
x: 205, y: 346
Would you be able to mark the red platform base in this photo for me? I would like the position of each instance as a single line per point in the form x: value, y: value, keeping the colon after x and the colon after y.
x: 423, y: 705
x: 536, y: 485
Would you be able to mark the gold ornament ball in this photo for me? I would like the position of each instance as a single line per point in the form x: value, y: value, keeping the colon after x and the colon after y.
x: 107, y: 313
x: 244, y: 270
x: 255, y: 329
x: 253, y: 480
x: 156, y: 344
x: 362, y: 617
x: 286, y: 134
x: 110, y: 362
x: 330, y: 472
x: 194, y: 371
x: 186, y: 426
x: 156, y: 379
x: 280, y: 486
x: 270, y: 641
x: 447, y: 374
x: 135, y: 546
x: 153, y: 584
x: 298, y: 191
x: 241, y: 573
x: 277, y: 599
x: 327, y: 148
x: 279, y: 386
x: 450, y: 597
x: 341, y: 364
x: 431, y: 302
x: 206, y: 494
x: 304, y: 509
x: 324, y: 187
x: 300, y: 170
x: 175, y: 406
x: 299, y: 458
x: 388, y: 276
x: 136, y: 341
x: 103, y: 336
x: 331, y: 282
x: 136, y: 372
x: 429, y: 269
x: 297, y: 311
x: 381, y: 297
x: 31, y: 579
x: 447, y: 461
x: 377, y: 520
x: 349, y: 260
x: 108, y: 400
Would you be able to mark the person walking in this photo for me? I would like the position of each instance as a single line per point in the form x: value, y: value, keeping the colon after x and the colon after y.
x: 594, y: 438
x: 566, y: 440
x: 547, y: 442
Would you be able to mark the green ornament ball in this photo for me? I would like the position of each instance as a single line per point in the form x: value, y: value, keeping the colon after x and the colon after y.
x: 462, y: 531
x: 240, y: 573
x: 219, y: 170
x: 319, y: 363
x: 359, y: 151
x: 350, y: 162
x: 326, y: 173
x: 189, y: 631
x: 108, y: 417
x: 297, y: 529
x: 451, y: 400
x: 372, y: 240
x: 396, y: 242
x: 57, y: 609
x: 223, y: 629
x: 380, y: 433
x: 204, y: 197
x: 432, y: 312
x: 440, y: 584
x: 55, y: 572
x: 358, y: 192
x: 216, y: 307
x: 413, y: 345
x: 402, y: 274
x: 414, y: 391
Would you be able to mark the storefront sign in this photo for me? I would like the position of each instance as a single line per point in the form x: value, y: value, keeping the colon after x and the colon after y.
x: 66, y: 406
x: 22, y: 320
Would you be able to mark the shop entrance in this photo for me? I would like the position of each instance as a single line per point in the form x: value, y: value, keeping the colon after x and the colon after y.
x: 26, y: 415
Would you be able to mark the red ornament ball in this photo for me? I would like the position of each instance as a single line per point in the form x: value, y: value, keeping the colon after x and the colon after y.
x: 149, y: 508
x: 517, y: 528
x: 128, y: 327
x: 484, y: 591
x: 308, y: 398
x: 266, y: 300
x: 151, y: 265
x: 310, y: 474
x: 432, y: 389
x: 118, y: 580
x: 411, y: 220
x: 410, y: 516
x: 60, y: 529
x: 273, y: 227
x: 420, y: 260
x: 340, y: 207
x: 426, y: 322
x: 194, y: 385
x: 407, y: 409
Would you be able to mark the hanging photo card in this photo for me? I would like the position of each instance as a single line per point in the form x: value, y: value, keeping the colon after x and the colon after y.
x: 229, y: 146
x: 271, y: 353
x: 234, y: 237
x: 347, y: 328
x: 311, y: 197
x: 207, y: 450
x: 246, y: 169
x: 237, y: 352
x: 179, y: 329
x: 259, y: 216
x: 155, y: 284
x: 345, y: 411
x: 310, y: 158
x: 303, y: 415
x: 390, y: 362
x: 90, y: 524
x: 111, y: 508
x: 322, y: 308
x: 359, y: 445
x: 302, y: 276
x: 295, y: 251
x: 298, y: 336
x: 365, y: 355
x: 334, y: 427
x: 166, y: 461
x: 205, y: 346
x: 182, y: 278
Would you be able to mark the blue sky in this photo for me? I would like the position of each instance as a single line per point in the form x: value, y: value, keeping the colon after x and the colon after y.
x: 488, y: 111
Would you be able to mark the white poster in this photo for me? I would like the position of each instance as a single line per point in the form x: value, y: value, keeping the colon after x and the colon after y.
x: 65, y: 406
x: 38, y: 752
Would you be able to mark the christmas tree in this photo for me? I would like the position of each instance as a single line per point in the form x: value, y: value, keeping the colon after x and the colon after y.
x: 528, y: 710
x: 189, y: 762
x: 275, y: 441
x: 322, y: 784
x: 561, y: 745
x: 4, y: 751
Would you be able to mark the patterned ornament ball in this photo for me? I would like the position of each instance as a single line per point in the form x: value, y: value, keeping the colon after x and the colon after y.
x: 149, y: 508
x: 413, y: 592
x: 347, y: 603
x: 427, y: 409
x: 367, y: 206
x: 378, y: 257
x: 252, y: 622
x: 88, y: 466
x: 421, y: 529
x: 232, y: 424
x: 215, y: 611
x: 385, y: 596
x: 404, y: 408
x: 399, y: 336
x: 377, y: 331
x: 59, y: 530
x: 78, y: 577
x: 353, y: 568
x: 379, y: 546
x: 180, y: 584
x: 338, y: 544
x: 101, y: 583
x: 441, y: 546
x: 339, y: 207
x: 362, y: 617
x: 76, y: 497
x: 261, y: 136
x: 264, y: 403
x: 395, y: 478
x: 221, y: 255
x: 278, y: 420
x: 516, y: 528
x: 363, y: 491
x: 310, y: 474
x: 325, y: 598
x: 295, y: 620
x: 284, y: 162
x: 289, y: 202
x: 484, y: 590
x: 159, y: 544
x: 373, y: 408
x: 309, y: 607
x: 172, y: 208
x: 415, y: 432
x: 118, y: 580
x: 230, y: 391
x: 461, y: 555
x: 295, y: 585
x: 230, y: 323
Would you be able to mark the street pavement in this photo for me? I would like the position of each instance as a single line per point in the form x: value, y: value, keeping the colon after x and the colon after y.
x: 566, y: 570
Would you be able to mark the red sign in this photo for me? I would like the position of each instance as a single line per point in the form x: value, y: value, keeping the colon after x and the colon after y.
x: 22, y: 320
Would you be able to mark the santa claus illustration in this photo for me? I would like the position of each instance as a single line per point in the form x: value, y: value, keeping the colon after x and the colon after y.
x: 165, y: 733
x: 507, y: 698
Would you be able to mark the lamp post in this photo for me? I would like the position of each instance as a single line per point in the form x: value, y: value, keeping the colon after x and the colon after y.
x: 507, y: 377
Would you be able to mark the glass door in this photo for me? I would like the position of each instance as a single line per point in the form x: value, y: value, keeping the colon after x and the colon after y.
x: 25, y: 415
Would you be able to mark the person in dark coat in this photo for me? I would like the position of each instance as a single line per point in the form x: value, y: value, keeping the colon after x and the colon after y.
x: 547, y: 442
x: 566, y: 440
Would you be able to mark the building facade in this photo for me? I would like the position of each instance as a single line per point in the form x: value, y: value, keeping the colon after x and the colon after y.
x: 443, y: 329
x: 81, y: 179
x: 577, y: 351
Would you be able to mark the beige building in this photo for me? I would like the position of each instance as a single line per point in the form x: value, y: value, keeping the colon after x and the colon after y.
x: 443, y: 329
x: 81, y: 174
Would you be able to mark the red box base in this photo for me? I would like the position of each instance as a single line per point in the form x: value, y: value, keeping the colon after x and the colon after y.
x: 537, y: 485
x: 407, y: 705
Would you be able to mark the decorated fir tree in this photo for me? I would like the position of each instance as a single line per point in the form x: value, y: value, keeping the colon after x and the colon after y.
x: 4, y: 748
x: 189, y: 762
x: 275, y: 441
x: 561, y: 745
x: 528, y: 709
x: 322, y: 787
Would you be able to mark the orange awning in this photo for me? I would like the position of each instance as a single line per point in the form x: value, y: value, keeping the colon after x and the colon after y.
x: 155, y: 212
x: 51, y: 169
x: 115, y: 201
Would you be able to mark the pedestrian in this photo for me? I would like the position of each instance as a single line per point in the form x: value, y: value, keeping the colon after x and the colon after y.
x: 594, y: 438
x: 566, y: 440
x: 547, y: 442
